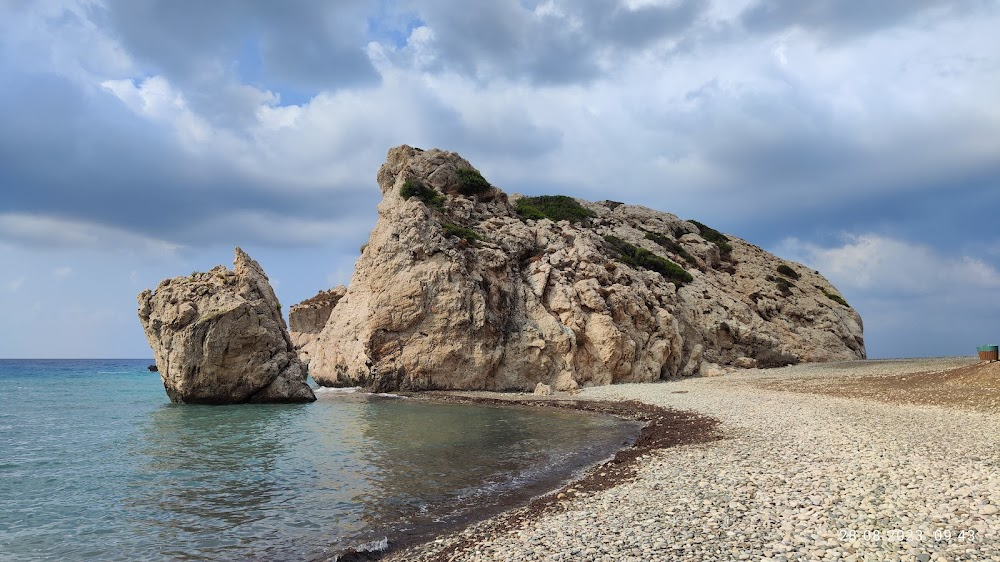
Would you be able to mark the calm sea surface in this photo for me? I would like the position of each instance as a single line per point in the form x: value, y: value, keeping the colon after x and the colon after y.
x: 96, y: 464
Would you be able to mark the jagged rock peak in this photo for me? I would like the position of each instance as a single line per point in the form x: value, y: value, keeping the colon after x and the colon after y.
x: 219, y: 338
x: 461, y: 286
x: 446, y: 172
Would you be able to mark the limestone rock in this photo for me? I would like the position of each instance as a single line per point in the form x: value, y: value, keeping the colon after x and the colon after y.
x: 308, y: 318
x: 542, y: 389
x: 711, y: 370
x: 456, y: 291
x: 219, y: 338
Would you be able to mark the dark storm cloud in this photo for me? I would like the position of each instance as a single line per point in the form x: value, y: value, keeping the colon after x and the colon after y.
x: 901, y: 215
x: 788, y: 160
x: 771, y: 140
x: 86, y: 158
x: 836, y: 19
x: 299, y: 45
x: 570, y: 44
x: 639, y: 27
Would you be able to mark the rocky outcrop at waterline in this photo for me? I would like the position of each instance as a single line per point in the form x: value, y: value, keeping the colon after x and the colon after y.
x: 463, y: 287
x: 219, y: 338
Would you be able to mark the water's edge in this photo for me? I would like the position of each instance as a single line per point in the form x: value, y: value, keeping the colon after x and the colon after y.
x: 655, y: 428
x: 549, y: 483
x: 97, y: 466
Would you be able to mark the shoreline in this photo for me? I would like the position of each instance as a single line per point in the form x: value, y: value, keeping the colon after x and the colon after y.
x: 661, y: 428
x: 799, y: 473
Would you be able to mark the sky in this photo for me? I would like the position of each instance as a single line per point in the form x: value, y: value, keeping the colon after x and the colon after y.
x: 144, y: 139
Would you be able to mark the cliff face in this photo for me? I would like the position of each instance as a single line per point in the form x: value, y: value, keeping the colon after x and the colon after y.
x: 308, y: 318
x: 457, y: 289
x: 219, y: 338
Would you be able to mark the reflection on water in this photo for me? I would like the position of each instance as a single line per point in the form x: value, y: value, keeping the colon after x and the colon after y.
x: 206, y: 472
x: 434, y: 463
x: 294, y: 481
x: 424, y: 455
x: 95, y: 464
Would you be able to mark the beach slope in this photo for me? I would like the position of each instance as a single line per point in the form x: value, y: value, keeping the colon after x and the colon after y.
x: 832, y: 461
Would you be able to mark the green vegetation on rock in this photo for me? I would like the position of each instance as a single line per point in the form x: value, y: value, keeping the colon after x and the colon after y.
x: 635, y: 256
x: 772, y: 357
x: 471, y: 182
x: 784, y: 285
x: 553, y: 207
x: 788, y: 272
x: 671, y: 246
x: 462, y: 232
x: 836, y: 298
x: 715, y: 237
x: 430, y: 196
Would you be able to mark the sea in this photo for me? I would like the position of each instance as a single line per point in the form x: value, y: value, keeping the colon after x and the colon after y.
x: 97, y: 464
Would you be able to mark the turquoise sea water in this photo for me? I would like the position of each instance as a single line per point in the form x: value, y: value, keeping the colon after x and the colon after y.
x: 96, y: 464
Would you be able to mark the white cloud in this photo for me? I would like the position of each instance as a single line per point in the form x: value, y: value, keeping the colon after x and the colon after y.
x: 59, y: 36
x: 49, y: 231
x: 808, y: 119
x: 15, y: 285
x: 781, y: 53
x: 152, y: 97
x: 155, y: 99
x: 915, y: 301
x: 63, y: 271
x: 788, y: 112
x: 869, y: 263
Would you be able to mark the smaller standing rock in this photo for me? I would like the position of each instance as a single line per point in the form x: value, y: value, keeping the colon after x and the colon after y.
x: 219, y: 338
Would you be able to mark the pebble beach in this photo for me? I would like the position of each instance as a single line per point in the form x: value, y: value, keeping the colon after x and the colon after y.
x: 799, y: 474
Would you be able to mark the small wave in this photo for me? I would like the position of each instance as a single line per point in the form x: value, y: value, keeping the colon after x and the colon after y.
x: 380, y: 545
x: 353, y: 390
x: 333, y: 390
x: 357, y: 552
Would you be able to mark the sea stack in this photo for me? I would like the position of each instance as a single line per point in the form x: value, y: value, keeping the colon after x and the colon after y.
x: 219, y: 338
x: 461, y: 286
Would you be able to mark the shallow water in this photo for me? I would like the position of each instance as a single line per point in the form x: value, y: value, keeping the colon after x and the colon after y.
x: 95, y: 463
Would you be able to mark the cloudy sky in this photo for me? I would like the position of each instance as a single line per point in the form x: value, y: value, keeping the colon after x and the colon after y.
x: 143, y: 139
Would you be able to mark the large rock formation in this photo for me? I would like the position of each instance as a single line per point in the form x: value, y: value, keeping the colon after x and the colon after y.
x: 219, y: 338
x: 462, y: 287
